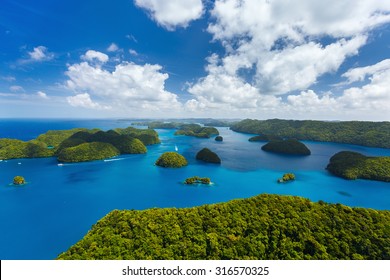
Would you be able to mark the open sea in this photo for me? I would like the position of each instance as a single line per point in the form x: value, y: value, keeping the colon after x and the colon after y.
x: 60, y: 203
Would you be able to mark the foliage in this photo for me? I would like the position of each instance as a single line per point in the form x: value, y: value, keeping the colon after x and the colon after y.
x: 12, y: 148
x: 372, y: 134
x: 171, y: 159
x: 19, y: 180
x: 163, y: 125
x: 128, y: 141
x: 56, y: 137
x: 87, y: 152
x: 352, y: 165
x: 264, y: 138
x: 208, y: 156
x: 219, y: 138
x: 286, y: 178
x: 262, y: 227
x: 197, y: 180
x: 290, y: 146
x: 197, y: 130
x: 147, y: 136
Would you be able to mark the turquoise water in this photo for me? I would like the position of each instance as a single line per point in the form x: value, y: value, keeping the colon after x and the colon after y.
x: 60, y: 203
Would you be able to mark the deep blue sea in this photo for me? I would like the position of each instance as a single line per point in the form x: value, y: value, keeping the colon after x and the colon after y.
x: 60, y: 203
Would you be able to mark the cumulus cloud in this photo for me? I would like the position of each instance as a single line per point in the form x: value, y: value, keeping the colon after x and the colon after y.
x: 129, y: 87
x: 113, y: 47
x: 42, y: 95
x: 40, y: 53
x: 84, y: 100
x: 172, y: 13
x: 133, y: 52
x: 92, y: 55
x: 360, y: 73
x: 276, y: 48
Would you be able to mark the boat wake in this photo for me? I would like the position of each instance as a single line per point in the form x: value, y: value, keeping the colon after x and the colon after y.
x: 113, y: 159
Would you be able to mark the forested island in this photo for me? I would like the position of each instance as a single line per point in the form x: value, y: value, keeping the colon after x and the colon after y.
x: 197, y: 131
x: 172, y: 160
x: 290, y: 147
x: 262, y: 227
x: 287, y: 177
x: 264, y: 138
x: 197, y: 180
x: 76, y: 145
x: 207, y: 155
x: 372, y: 134
x: 352, y: 165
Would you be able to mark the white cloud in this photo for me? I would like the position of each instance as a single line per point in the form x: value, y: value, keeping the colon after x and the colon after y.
x: 113, y: 47
x: 133, y: 52
x: 172, y: 13
x: 374, y: 95
x: 84, y: 100
x: 38, y: 54
x: 92, y: 55
x: 16, y: 88
x: 360, y: 73
x: 42, y: 95
x: 128, y: 88
x: 278, y: 47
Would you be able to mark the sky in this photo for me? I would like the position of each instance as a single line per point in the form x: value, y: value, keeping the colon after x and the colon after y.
x: 262, y: 59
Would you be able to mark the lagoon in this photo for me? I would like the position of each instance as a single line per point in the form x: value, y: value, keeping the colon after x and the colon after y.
x: 60, y: 203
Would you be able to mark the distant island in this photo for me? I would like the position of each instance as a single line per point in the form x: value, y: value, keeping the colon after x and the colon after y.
x: 219, y: 138
x: 79, y: 144
x: 19, y: 180
x: 290, y: 146
x: 197, y: 131
x: 171, y: 159
x: 352, y: 165
x: 287, y: 177
x: 264, y: 138
x: 371, y: 134
x: 263, y: 227
x: 207, y: 155
x: 197, y: 180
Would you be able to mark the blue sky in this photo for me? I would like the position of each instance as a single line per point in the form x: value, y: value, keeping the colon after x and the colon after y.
x: 260, y: 59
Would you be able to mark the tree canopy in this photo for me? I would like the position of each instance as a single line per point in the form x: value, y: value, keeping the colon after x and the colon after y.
x: 352, y: 165
x: 262, y: 227
x: 171, y: 159
x: 290, y: 146
x: 372, y: 134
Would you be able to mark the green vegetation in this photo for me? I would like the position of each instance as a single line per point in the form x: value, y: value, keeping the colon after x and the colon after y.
x: 262, y: 227
x: 264, y: 138
x: 147, y: 136
x: 171, y: 159
x: 12, y: 148
x: 19, y: 180
x: 128, y: 141
x: 163, y: 125
x: 372, y: 134
x: 87, y: 152
x: 290, y: 146
x: 219, y: 138
x: 197, y: 130
x: 55, y: 137
x: 352, y: 165
x: 207, y: 155
x: 286, y: 178
x: 197, y: 180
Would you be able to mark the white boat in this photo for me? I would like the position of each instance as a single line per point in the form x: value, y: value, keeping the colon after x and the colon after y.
x: 176, y: 148
x: 60, y: 164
